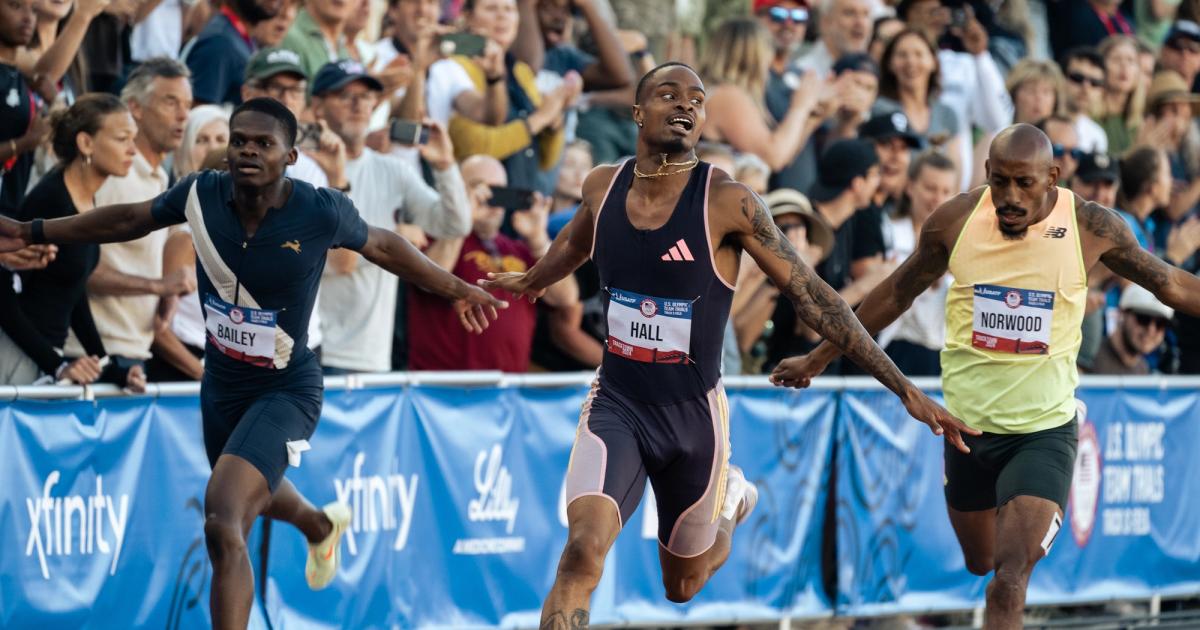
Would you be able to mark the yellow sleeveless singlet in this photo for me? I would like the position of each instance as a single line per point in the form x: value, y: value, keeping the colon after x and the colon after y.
x: 1013, y: 317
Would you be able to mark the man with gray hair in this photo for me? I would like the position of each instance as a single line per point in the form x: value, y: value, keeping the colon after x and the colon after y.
x: 127, y: 291
x: 845, y: 29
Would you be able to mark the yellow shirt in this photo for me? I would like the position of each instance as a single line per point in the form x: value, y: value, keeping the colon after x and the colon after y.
x: 1013, y: 317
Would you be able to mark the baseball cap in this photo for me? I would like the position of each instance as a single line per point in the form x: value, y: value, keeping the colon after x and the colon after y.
x: 1169, y: 86
x: 1094, y: 167
x: 269, y: 62
x: 1136, y: 299
x: 839, y: 165
x: 787, y: 201
x: 860, y: 62
x: 338, y: 74
x: 887, y: 126
x: 1183, y: 29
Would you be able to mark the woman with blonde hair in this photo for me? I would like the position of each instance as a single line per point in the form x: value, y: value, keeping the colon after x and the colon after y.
x: 207, y: 129
x: 1038, y: 90
x: 735, y: 66
x: 1124, y: 92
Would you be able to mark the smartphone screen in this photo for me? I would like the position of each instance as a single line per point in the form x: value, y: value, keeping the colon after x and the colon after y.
x: 408, y: 132
x: 511, y: 198
x: 465, y: 44
x: 308, y: 136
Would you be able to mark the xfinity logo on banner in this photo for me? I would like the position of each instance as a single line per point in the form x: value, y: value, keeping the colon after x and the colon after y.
x: 379, y: 503
x: 495, y: 503
x: 54, y: 521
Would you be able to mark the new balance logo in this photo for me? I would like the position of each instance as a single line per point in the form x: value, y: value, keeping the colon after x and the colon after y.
x: 679, y: 251
x: 1055, y: 232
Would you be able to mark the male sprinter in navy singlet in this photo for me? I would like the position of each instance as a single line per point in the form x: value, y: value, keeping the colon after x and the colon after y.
x: 666, y: 232
x: 261, y: 240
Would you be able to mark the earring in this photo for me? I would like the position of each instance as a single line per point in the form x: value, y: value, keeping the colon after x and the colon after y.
x: 639, y: 124
x: 87, y: 158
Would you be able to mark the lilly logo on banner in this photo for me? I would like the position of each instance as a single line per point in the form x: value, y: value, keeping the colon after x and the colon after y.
x: 54, y: 521
x: 494, y: 503
x: 378, y: 502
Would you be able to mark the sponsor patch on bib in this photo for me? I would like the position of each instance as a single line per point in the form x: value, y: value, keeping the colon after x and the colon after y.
x: 649, y: 329
x: 1012, y: 320
x: 242, y: 333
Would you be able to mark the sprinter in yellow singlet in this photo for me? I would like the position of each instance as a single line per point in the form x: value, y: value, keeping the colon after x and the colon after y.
x: 1019, y: 249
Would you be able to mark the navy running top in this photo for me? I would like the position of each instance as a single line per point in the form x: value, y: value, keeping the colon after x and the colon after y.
x: 665, y: 305
x: 258, y: 293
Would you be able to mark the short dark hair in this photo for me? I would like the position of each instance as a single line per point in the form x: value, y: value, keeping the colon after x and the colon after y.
x: 85, y: 116
x: 1086, y: 54
x: 274, y: 109
x: 637, y: 94
x: 1139, y: 167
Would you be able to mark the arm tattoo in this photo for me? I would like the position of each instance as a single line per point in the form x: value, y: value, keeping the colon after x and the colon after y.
x: 1126, y: 257
x: 558, y: 620
x: 817, y: 304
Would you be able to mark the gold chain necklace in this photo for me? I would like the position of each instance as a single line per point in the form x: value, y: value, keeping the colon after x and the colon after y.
x: 688, y: 165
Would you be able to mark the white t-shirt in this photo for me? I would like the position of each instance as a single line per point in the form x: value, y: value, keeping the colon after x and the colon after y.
x: 924, y: 323
x: 1092, y: 138
x: 447, y: 79
x: 359, y: 308
x: 160, y: 34
x: 307, y: 170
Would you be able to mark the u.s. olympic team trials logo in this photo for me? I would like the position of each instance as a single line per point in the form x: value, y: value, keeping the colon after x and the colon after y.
x: 1013, y: 298
x: 236, y: 315
x: 649, y: 308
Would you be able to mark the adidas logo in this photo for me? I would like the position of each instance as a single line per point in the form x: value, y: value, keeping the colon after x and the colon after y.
x: 679, y: 251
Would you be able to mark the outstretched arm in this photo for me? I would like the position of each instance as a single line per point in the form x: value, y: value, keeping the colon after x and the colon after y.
x: 475, y: 307
x: 892, y: 297
x: 109, y: 224
x: 1120, y: 252
x: 823, y: 310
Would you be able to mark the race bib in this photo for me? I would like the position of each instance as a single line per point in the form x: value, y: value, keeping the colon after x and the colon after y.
x: 243, y: 333
x: 1012, y: 320
x: 649, y: 329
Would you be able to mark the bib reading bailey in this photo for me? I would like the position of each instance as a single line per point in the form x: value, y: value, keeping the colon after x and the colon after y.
x: 1013, y: 318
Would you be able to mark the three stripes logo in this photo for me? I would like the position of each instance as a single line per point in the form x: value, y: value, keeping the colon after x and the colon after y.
x: 678, y: 251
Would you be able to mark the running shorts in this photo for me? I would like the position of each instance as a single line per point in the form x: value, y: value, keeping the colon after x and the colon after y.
x: 1001, y: 467
x: 683, y: 448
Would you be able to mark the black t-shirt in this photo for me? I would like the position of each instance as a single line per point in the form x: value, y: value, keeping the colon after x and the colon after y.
x: 55, y: 298
x: 861, y: 236
x: 16, y: 115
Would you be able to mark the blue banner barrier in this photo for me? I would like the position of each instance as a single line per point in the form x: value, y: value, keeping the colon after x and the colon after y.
x: 459, y: 511
x: 1130, y: 530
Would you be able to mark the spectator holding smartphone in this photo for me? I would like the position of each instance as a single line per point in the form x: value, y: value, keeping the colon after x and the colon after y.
x: 358, y: 299
x: 436, y: 340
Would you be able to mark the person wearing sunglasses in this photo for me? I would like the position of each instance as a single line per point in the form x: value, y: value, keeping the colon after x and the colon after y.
x: 787, y: 22
x: 1143, y: 325
x: 1084, y: 71
x: 1181, y: 50
x: 1064, y: 142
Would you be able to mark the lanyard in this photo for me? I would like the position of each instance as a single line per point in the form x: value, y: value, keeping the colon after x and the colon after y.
x: 238, y: 25
x: 1121, y: 26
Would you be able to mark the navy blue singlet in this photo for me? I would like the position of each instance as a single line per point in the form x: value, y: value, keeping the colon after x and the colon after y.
x: 666, y: 306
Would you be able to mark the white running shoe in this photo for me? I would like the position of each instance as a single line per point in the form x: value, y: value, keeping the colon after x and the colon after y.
x: 324, y: 557
x: 740, y: 496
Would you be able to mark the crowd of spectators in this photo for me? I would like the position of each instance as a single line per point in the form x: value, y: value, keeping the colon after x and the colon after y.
x: 468, y: 126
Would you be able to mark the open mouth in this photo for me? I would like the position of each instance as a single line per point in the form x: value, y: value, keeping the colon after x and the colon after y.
x: 248, y: 169
x: 683, y: 123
